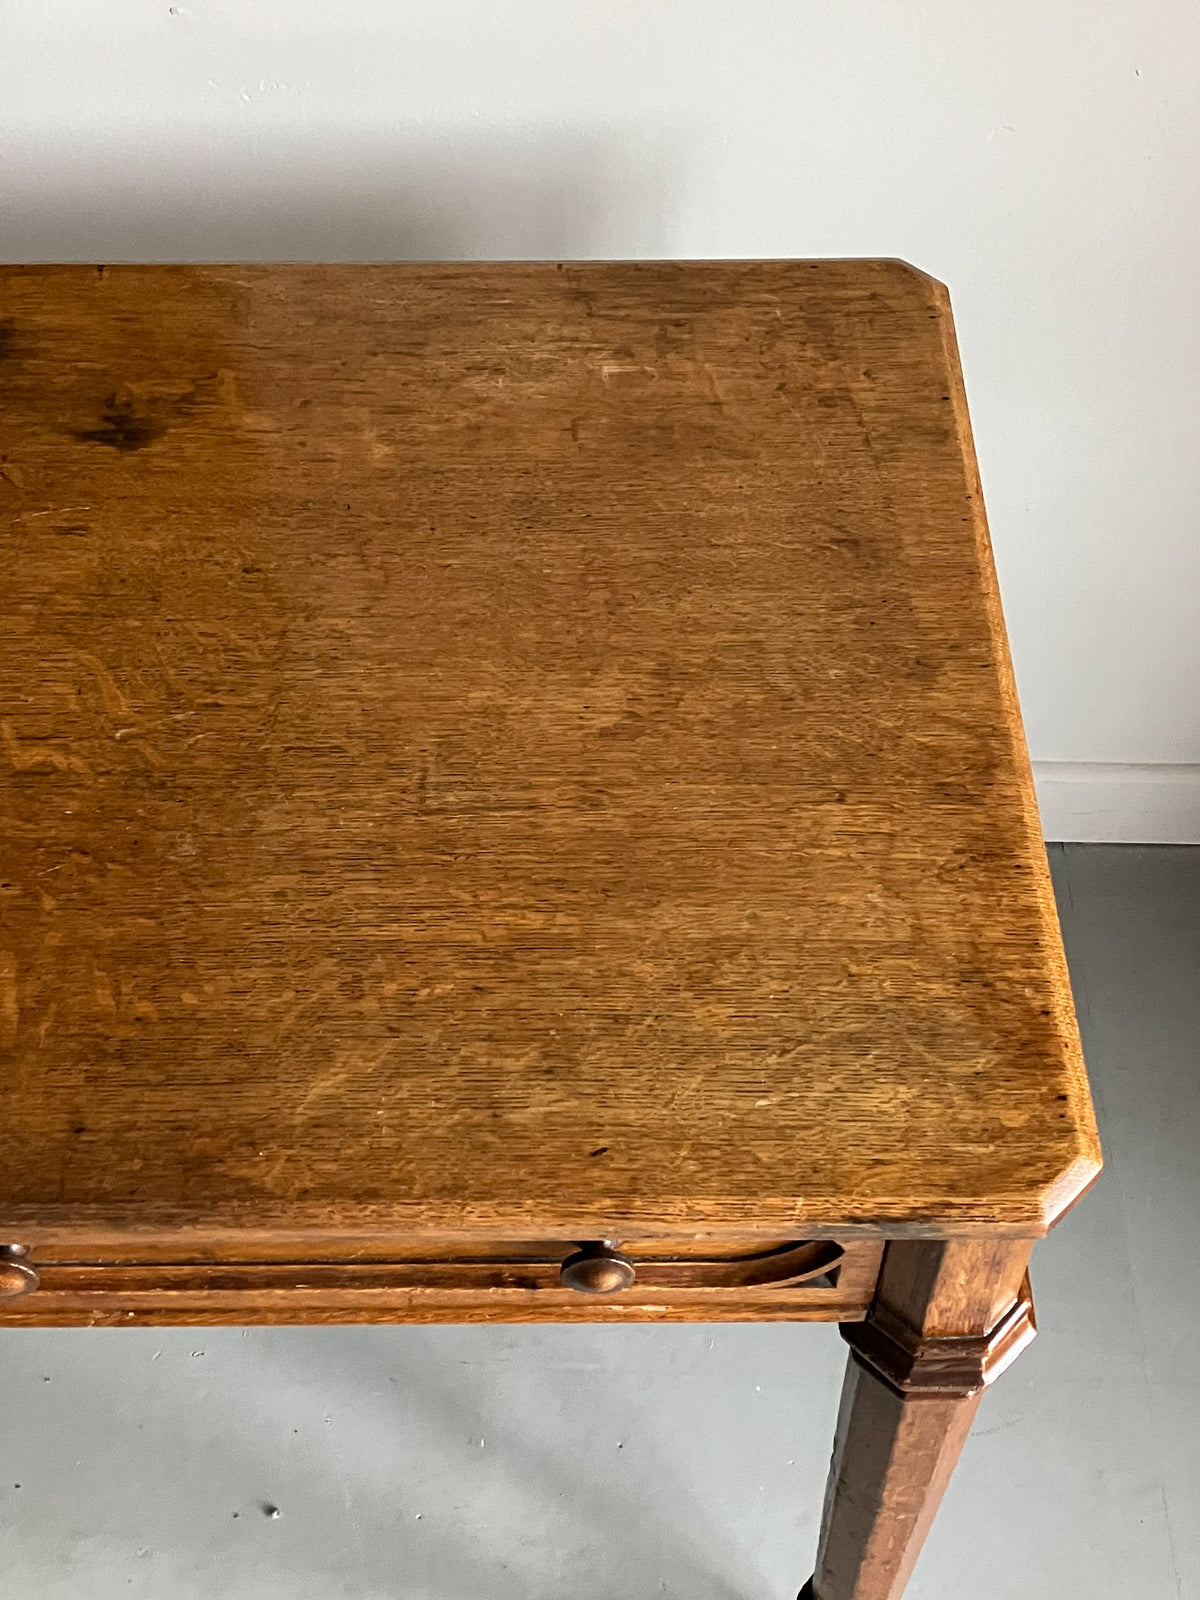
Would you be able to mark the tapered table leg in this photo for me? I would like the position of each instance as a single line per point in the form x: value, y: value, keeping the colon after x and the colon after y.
x: 947, y: 1318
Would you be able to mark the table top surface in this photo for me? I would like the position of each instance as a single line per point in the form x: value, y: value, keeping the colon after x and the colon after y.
x: 496, y: 744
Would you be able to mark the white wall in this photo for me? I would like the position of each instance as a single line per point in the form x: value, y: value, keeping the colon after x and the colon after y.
x: 1040, y: 156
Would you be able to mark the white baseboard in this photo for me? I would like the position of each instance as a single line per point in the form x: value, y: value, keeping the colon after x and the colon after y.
x: 1119, y: 803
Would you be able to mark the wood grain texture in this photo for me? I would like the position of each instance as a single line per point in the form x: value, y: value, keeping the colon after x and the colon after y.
x: 894, y: 1452
x: 214, y: 1308
x: 957, y: 1287
x: 913, y: 1362
x: 513, y: 1282
x: 329, y: 1292
x: 893, y: 1458
x: 512, y: 749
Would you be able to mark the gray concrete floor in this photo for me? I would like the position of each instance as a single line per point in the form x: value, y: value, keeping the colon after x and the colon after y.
x: 541, y: 1463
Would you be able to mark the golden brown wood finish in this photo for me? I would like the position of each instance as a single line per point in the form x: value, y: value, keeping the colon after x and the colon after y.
x: 902, y: 1425
x: 337, y: 1292
x: 502, y: 758
x: 512, y: 749
x: 801, y: 1281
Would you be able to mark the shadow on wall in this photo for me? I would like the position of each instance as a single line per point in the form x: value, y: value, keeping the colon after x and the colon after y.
x: 459, y: 195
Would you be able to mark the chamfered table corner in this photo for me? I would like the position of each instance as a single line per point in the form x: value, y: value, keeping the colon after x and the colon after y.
x: 514, y: 808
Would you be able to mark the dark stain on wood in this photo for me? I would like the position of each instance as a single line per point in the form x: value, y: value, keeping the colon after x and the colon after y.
x: 406, y: 799
x: 125, y: 424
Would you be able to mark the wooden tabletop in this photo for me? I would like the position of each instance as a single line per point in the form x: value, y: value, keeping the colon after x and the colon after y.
x: 491, y: 744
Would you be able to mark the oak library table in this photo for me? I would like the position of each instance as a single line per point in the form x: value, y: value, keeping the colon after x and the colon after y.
x: 515, y: 809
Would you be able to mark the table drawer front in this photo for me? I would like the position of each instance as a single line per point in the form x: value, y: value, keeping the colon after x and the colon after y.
x: 803, y: 1279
